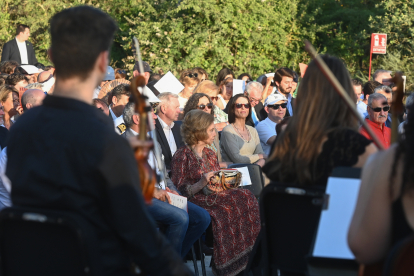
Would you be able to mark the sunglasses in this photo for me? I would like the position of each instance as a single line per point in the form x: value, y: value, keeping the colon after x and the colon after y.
x: 378, y: 109
x: 276, y: 106
x: 202, y: 106
x: 239, y: 105
x: 191, y: 75
x: 214, y: 98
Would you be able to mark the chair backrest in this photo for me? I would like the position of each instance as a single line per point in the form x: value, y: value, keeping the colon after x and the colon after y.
x: 400, y: 260
x: 290, y: 217
x: 256, y: 176
x: 35, y: 241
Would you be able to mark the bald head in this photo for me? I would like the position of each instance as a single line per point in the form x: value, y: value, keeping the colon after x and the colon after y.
x: 32, y: 98
x: 44, y: 76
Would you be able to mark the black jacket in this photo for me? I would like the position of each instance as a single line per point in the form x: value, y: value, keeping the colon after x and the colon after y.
x: 83, y: 166
x: 11, y: 52
x: 260, y: 112
x: 164, y: 143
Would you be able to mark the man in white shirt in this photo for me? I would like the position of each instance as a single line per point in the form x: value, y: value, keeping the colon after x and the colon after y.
x: 167, y: 127
x: 19, y: 49
x: 120, y: 97
x: 275, y: 106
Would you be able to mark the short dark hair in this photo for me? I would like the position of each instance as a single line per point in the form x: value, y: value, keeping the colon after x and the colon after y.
x: 283, y: 72
x: 245, y: 75
x: 192, y: 102
x: 20, y: 28
x: 8, y: 66
x: 154, y: 77
x: 222, y: 75
x: 369, y: 88
x: 356, y: 82
x: 13, y: 79
x: 79, y: 35
x: 231, y: 107
x: 119, y: 90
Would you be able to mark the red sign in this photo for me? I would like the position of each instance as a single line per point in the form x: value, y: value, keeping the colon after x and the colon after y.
x: 379, y: 43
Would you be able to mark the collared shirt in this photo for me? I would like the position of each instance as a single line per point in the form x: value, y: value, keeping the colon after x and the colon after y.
x: 383, y: 134
x: 362, y: 109
x: 169, y: 135
x: 289, y: 104
x: 119, y: 122
x: 266, y: 129
x: 254, y: 117
x: 23, y: 52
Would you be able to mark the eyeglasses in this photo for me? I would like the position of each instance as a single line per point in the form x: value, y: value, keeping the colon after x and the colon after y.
x: 214, y: 98
x: 191, y: 75
x: 239, y: 105
x: 378, y: 109
x: 202, y: 106
x: 276, y: 106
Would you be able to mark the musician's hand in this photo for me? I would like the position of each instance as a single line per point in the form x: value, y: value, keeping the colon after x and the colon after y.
x: 171, y: 191
x: 135, y: 143
x: 162, y: 195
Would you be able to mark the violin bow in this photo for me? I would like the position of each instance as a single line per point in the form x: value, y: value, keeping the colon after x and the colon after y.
x: 150, y: 119
x: 341, y: 91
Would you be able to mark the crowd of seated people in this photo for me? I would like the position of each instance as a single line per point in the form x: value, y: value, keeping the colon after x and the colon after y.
x: 296, y: 138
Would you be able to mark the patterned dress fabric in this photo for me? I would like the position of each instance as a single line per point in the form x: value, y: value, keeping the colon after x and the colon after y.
x: 234, y: 213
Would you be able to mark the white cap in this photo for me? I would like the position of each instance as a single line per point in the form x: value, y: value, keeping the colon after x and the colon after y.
x: 110, y: 74
x: 274, y: 98
x: 31, y: 69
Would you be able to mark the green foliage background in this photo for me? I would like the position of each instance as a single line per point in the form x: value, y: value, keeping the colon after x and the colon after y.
x: 253, y: 36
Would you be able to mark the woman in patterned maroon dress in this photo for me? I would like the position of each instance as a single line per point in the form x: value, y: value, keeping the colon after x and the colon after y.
x: 234, y: 213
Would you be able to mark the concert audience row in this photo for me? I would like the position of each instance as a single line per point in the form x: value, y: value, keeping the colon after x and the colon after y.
x: 298, y: 133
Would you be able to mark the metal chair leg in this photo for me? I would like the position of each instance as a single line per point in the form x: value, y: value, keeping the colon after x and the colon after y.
x: 203, y: 266
x: 194, y: 261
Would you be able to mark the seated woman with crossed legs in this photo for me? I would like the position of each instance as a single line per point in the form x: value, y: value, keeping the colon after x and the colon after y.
x: 235, y: 226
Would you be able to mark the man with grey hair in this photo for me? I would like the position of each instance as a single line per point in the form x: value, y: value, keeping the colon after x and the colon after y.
x: 131, y: 120
x: 387, y: 92
x: 382, y: 76
x: 377, y: 115
x: 409, y: 108
x: 167, y: 127
x: 32, y: 98
x: 254, y: 91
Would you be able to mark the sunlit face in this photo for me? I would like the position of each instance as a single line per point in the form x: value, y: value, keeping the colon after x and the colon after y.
x: 211, y: 132
x: 384, y: 78
x: 11, y: 103
x: 378, y: 117
x: 358, y: 91
x: 172, y: 110
x: 286, y: 85
x: 255, y: 97
x: 26, y: 34
x: 21, y: 84
x: 228, y: 89
x: 242, y: 112
x: 276, y: 114
x: 204, y: 101
x: 212, y: 94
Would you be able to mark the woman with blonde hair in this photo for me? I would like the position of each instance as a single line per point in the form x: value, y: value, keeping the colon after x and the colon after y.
x: 322, y: 135
x: 234, y: 212
x: 189, y: 79
x: 9, y: 99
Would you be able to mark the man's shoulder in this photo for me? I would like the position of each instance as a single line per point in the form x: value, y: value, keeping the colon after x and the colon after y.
x: 10, y: 43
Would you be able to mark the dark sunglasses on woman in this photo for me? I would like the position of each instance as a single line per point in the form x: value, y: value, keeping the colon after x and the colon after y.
x: 276, y: 106
x: 214, y: 98
x: 378, y: 109
x: 202, y: 106
x: 239, y: 105
x: 195, y: 75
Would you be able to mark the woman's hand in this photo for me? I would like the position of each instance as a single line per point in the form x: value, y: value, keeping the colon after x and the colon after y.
x: 205, y: 179
x: 19, y: 110
x: 260, y: 162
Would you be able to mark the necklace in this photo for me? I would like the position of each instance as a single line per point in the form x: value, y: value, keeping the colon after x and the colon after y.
x: 248, y: 131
